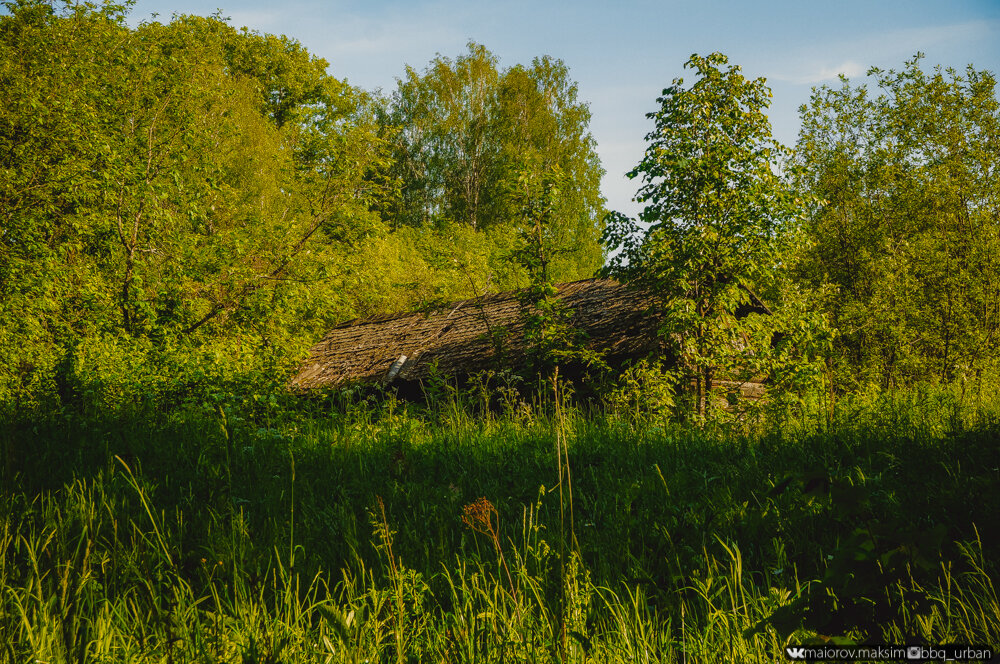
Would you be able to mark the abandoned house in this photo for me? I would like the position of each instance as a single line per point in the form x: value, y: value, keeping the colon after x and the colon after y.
x: 462, y: 338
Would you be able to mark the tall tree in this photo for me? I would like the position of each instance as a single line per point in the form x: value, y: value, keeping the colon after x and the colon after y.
x: 447, y: 157
x: 910, y: 229
x: 466, y: 133
x: 714, y: 206
x: 159, y: 181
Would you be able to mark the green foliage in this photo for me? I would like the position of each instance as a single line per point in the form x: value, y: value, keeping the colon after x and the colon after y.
x: 715, y: 209
x: 421, y: 267
x: 552, y: 339
x: 297, y: 533
x: 185, y: 207
x: 466, y: 135
x: 877, y: 553
x: 907, y: 237
x: 169, y: 183
x: 187, y: 184
x: 644, y: 390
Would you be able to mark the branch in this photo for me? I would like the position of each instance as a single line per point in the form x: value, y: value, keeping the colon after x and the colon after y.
x: 275, y: 274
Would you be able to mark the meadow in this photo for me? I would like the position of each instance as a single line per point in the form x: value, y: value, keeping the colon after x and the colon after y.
x: 370, y: 530
x: 186, y: 208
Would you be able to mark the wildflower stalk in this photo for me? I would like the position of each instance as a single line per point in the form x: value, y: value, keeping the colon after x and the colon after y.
x: 382, y: 526
x: 482, y: 517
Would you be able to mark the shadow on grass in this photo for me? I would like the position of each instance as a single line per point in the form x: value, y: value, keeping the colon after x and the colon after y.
x: 650, y: 505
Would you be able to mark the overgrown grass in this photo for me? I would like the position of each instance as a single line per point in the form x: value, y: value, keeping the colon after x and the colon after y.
x: 302, y: 534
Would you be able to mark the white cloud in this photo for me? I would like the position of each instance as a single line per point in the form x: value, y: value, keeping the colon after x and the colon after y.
x: 826, y: 61
x: 849, y: 68
x: 370, y: 37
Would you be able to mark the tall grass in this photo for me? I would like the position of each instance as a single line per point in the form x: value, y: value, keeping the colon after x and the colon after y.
x: 305, y: 535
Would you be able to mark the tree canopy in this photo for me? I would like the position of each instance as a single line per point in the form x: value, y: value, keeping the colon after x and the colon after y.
x: 714, y: 208
x: 907, y: 238
x: 188, y: 185
x: 468, y: 133
x: 183, y: 195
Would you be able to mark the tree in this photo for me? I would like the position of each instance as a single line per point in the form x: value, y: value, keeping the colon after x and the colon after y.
x: 715, y: 207
x: 547, y: 141
x: 161, y: 182
x: 909, y: 233
x: 466, y: 131
x: 447, y: 157
x: 551, y: 337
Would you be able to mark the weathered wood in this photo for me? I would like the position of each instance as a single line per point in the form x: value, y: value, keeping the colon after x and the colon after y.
x: 464, y: 337
x: 471, y: 335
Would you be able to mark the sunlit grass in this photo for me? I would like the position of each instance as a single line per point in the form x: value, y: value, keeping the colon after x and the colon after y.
x: 340, y: 538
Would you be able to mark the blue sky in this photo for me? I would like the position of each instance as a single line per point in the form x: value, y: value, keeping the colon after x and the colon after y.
x: 622, y: 55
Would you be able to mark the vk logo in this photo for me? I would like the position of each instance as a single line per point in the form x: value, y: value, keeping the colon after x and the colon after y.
x: 796, y: 653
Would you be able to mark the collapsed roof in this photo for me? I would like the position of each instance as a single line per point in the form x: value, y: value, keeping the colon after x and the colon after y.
x: 471, y: 335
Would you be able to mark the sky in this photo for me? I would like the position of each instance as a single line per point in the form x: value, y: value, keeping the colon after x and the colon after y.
x: 623, y: 54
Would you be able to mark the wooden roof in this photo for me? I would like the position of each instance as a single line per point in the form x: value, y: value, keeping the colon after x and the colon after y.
x: 461, y: 337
